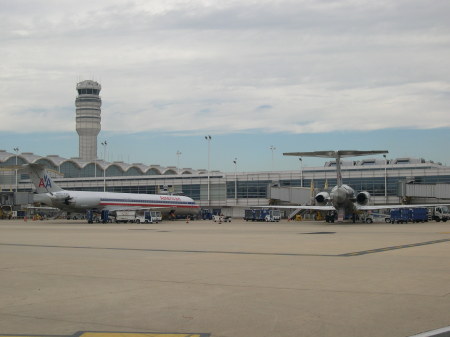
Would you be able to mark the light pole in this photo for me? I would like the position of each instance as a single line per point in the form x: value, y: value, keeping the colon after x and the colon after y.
x: 385, y: 179
x: 301, y: 172
x: 178, y: 161
x: 272, y: 148
x: 208, y: 138
x: 16, y: 150
x: 95, y: 166
x: 105, y: 143
x: 235, y: 180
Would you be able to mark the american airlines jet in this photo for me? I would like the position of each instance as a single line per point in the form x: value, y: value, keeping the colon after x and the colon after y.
x: 49, y: 193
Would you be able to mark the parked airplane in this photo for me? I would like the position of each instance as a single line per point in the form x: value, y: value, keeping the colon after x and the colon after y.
x: 342, y: 198
x: 49, y: 193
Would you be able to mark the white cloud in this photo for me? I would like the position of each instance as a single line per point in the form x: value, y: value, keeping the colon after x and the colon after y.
x: 191, y: 66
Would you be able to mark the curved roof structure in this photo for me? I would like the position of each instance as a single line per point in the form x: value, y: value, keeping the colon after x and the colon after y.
x: 73, y: 167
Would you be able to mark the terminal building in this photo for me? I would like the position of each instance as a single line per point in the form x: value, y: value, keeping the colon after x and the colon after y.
x: 389, y: 181
x: 402, y: 180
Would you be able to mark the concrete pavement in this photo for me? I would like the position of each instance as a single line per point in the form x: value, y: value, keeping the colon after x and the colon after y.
x: 233, y: 279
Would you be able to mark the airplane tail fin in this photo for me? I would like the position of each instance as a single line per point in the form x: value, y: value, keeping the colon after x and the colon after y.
x: 41, y: 179
x: 336, y: 155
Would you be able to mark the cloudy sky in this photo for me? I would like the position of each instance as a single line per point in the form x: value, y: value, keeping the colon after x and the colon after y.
x: 300, y: 75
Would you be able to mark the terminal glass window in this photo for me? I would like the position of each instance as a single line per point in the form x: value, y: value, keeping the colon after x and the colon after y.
x: 91, y: 171
x: 133, y: 171
x: 70, y: 170
x: 170, y: 172
x: 47, y: 163
x: 152, y: 172
x: 12, y: 161
x: 251, y: 189
x: 114, y: 171
x: 192, y: 191
x: 144, y: 189
x: 436, y: 179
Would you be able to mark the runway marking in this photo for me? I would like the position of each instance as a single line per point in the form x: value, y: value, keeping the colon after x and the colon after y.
x: 319, y: 233
x: 163, y: 250
x: 384, y: 249
x: 119, y: 334
x: 443, y: 332
x: 351, y: 254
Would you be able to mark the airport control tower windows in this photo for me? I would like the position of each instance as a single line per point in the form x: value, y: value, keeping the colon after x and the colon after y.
x: 88, y: 91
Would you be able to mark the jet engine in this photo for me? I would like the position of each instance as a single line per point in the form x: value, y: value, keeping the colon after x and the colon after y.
x: 363, y: 198
x: 322, y: 198
x: 63, y: 197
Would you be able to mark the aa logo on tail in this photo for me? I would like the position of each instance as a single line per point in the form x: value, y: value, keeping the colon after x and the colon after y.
x: 45, y: 182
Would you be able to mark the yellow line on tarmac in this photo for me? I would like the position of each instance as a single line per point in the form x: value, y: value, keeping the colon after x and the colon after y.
x: 131, y: 334
x: 118, y: 334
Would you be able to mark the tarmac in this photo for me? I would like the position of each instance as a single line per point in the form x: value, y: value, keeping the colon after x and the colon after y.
x: 238, y: 279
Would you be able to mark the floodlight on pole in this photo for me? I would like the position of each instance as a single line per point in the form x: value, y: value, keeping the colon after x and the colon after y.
x: 104, y: 144
x: 178, y: 161
x: 385, y: 178
x: 16, y: 150
x: 301, y: 171
x: 208, y: 138
x: 235, y: 180
x: 272, y: 148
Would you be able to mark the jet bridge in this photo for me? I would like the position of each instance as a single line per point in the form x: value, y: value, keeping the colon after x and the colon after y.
x: 438, y: 191
x: 291, y: 195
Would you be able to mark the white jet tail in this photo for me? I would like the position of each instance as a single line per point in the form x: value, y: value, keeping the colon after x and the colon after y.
x: 336, y: 155
x: 41, y: 179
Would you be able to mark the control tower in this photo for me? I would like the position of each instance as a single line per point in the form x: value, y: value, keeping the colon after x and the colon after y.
x: 88, y: 103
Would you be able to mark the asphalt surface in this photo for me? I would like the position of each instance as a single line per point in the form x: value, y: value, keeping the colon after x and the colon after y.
x: 233, y: 279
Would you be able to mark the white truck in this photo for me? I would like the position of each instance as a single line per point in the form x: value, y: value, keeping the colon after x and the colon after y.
x: 138, y: 216
x: 143, y: 216
x: 273, y: 215
x: 156, y: 216
x: 439, y: 213
x: 125, y: 216
x: 221, y: 218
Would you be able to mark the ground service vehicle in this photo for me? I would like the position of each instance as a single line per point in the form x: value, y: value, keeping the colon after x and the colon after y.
x: 221, y: 218
x: 273, y: 215
x: 207, y: 214
x: 405, y: 215
x: 156, y: 216
x: 249, y: 214
x: 261, y: 215
x: 126, y: 216
x: 143, y: 216
x: 439, y: 213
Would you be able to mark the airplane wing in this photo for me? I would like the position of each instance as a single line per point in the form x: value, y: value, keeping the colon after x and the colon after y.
x: 313, y: 208
x: 378, y: 207
x: 334, y: 154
